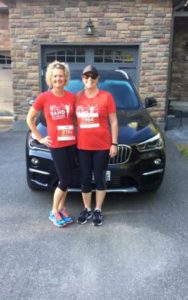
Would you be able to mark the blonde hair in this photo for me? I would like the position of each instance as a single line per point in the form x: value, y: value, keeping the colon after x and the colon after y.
x: 57, y: 65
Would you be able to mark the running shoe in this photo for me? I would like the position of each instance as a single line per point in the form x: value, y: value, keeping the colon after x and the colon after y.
x: 56, y: 219
x: 84, y: 216
x: 97, y: 218
x: 66, y: 217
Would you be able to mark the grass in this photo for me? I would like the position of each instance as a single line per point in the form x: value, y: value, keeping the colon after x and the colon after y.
x: 183, y: 148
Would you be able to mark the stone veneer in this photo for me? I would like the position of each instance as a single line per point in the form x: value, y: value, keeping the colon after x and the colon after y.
x: 144, y: 22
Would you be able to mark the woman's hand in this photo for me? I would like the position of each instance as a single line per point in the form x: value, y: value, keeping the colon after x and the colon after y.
x: 114, y: 133
x: 46, y: 141
x: 113, y: 151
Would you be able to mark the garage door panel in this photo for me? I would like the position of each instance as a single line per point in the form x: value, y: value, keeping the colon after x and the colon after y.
x: 103, y: 57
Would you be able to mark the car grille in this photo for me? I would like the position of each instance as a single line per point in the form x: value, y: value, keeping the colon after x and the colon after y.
x: 124, y: 153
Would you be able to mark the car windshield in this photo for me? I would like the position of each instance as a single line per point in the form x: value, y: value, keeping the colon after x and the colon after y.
x: 123, y: 92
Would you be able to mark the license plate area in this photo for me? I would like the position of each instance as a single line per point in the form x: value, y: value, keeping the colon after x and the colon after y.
x: 108, y: 176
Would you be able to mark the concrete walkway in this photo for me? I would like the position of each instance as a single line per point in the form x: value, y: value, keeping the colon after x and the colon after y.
x: 178, y: 134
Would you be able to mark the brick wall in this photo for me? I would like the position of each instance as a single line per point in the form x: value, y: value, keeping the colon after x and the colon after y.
x: 146, y: 22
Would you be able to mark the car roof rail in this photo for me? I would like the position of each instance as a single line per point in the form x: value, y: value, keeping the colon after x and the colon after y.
x: 123, y: 72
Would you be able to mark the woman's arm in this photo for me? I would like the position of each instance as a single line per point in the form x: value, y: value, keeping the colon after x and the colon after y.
x: 31, y: 122
x: 114, y: 132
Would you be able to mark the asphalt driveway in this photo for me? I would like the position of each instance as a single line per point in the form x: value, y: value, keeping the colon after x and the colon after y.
x: 139, y: 253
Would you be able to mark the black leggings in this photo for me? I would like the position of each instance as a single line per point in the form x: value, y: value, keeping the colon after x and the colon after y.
x: 64, y: 161
x: 96, y: 162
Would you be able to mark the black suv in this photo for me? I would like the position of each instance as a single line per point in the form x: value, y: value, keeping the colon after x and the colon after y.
x: 140, y: 163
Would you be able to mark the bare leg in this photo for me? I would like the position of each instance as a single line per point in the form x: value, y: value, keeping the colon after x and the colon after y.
x: 100, y: 196
x: 58, y: 199
x: 62, y: 201
x: 87, y: 199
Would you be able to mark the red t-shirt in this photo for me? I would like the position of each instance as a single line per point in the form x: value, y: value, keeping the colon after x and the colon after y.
x: 59, y: 112
x: 92, y: 115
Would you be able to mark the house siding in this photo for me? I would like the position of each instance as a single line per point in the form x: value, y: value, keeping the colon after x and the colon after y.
x: 143, y: 22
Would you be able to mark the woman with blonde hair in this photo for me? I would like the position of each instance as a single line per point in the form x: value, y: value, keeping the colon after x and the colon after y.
x: 58, y: 106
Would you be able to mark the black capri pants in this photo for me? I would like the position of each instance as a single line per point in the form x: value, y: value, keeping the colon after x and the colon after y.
x: 95, y: 162
x: 64, y: 160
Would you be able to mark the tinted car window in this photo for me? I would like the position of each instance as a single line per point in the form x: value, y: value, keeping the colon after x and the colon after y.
x: 122, y: 91
x: 74, y: 86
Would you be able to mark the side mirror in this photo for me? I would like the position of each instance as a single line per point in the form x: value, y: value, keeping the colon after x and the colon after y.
x: 150, y: 102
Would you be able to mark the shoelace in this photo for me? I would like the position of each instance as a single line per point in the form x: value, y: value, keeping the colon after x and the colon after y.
x: 58, y: 216
x: 64, y: 212
x: 84, y: 213
x: 97, y: 213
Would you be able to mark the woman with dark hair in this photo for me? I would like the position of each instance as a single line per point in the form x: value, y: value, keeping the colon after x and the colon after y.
x: 95, y: 109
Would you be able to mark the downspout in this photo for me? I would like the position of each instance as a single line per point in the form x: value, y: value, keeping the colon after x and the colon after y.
x: 169, y: 78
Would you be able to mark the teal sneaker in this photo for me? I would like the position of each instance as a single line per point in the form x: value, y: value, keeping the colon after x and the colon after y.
x: 57, y: 220
x: 66, y: 217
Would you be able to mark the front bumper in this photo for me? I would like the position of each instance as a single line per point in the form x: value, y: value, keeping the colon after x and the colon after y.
x: 136, y: 175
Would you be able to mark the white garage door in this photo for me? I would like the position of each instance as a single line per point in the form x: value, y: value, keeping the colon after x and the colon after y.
x: 6, y: 91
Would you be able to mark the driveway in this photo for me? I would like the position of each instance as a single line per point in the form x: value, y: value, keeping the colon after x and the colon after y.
x: 139, y: 253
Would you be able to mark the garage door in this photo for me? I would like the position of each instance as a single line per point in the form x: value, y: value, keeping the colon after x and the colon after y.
x: 6, y: 91
x: 103, y: 57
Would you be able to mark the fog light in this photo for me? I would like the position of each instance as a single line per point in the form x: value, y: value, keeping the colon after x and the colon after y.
x: 34, y: 161
x: 157, y: 161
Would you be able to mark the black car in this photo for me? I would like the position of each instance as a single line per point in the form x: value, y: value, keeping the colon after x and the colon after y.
x: 140, y: 163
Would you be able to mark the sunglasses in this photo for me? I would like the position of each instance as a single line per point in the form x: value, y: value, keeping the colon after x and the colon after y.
x: 92, y: 76
x: 59, y: 66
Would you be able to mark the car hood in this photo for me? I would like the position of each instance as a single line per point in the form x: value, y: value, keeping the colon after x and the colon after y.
x: 135, y: 126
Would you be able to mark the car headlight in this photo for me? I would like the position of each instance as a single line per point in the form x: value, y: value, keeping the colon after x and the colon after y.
x: 35, y: 145
x: 153, y: 143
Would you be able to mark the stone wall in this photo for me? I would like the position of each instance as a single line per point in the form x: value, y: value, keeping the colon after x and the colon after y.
x: 144, y: 22
x: 180, y: 60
